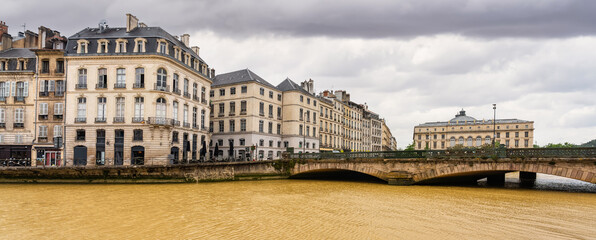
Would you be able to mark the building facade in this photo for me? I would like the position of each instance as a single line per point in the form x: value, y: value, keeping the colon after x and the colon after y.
x: 467, y: 131
x: 300, y: 112
x: 137, y: 95
x: 388, y: 141
x: 246, y: 118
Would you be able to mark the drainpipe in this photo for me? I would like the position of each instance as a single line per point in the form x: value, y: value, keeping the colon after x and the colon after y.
x: 64, y: 113
x: 35, y: 113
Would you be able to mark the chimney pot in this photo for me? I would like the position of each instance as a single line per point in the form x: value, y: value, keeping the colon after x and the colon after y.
x: 132, y: 22
x: 185, y: 39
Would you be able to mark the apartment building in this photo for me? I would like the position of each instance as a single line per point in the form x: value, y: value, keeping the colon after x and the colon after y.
x: 300, y: 111
x: 467, y: 131
x: 137, y: 95
x: 247, y: 117
x: 388, y: 141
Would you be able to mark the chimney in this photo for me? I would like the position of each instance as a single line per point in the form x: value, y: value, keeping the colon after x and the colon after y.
x: 142, y: 25
x: 132, y: 22
x: 3, y: 28
x: 212, y: 72
x: 195, y: 49
x: 184, y: 39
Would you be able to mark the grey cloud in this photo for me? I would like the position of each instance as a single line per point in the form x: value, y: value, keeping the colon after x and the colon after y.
x: 357, y: 19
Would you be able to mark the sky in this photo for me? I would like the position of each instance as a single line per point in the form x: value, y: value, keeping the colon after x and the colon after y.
x: 410, y: 61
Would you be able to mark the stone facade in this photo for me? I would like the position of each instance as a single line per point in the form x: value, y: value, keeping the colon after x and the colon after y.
x: 136, y: 95
x: 470, y: 132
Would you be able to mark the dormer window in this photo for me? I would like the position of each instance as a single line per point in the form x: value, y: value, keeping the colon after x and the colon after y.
x: 83, y: 46
x: 162, y: 46
x: 121, y: 45
x: 102, y: 46
x: 187, y: 59
x: 22, y: 65
x: 177, y: 53
x: 140, y: 45
x: 3, y: 65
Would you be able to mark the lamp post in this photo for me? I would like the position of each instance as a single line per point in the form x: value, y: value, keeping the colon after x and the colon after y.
x: 494, y: 124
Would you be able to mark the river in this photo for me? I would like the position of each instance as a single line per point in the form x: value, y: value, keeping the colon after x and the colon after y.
x: 297, y: 209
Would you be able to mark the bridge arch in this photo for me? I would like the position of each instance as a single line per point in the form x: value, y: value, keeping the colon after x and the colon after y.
x: 471, y: 172
x: 363, y: 168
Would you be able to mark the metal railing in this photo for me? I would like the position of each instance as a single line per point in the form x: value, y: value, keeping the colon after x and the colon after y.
x: 161, y: 121
x: 101, y: 86
x: 119, y: 85
x: 81, y: 86
x: 118, y: 119
x: 459, y: 153
x: 165, y: 88
x: 138, y: 85
x: 138, y: 119
x: 176, y: 91
x: 15, y: 162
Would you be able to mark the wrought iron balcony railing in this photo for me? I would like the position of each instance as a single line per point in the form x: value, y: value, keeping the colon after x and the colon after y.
x: 81, y: 86
x: 101, y: 86
x: 118, y: 119
x: 176, y: 91
x: 186, y: 95
x: 164, y: 88
x: 100, y: 120
x: 138, y: 85
x: 161, y: 121
x: 119, y: 85
x: 80, y: 119
x: 18, y: 125
x: 138, y: 119
x: 19, y: 99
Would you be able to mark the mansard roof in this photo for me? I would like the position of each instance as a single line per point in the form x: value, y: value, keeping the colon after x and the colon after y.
x: 240, y: 76
x: 289, y: 85
x: 17, y: 53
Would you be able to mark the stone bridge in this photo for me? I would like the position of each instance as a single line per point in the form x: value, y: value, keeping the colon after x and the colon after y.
x: 393, y: 171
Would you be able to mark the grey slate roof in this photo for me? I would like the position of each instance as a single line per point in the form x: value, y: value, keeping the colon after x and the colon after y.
x: 17, y: 53
x: 143, y: 32
x: 289, y: 85
x: 454, y: 123
x: 244, y: 75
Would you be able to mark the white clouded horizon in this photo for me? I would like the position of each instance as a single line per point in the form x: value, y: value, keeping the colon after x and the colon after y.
x: 410, y: 61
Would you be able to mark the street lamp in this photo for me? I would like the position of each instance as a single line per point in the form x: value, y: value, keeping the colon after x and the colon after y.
x: 494, y: 124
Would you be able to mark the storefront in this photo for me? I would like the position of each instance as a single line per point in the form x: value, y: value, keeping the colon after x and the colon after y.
x: 49, y: 156
x: 15, y: 155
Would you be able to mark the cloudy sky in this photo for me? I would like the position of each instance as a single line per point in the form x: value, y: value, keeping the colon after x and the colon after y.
x: 410, y: 61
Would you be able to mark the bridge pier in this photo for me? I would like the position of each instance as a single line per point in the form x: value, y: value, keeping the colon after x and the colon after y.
x: 400, y: 178
x: 496, y: 180
x: 527, y: 179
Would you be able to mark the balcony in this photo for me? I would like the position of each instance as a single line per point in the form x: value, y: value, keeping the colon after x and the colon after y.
x: 80, y: 120
x: 42, y: 139
x: 58, y: 116
x: 101, y: 86
x: 270, y: 115
x: 2, y: 125
x: 196, y: 98
x: 43, y: 116
x: 138, y: 85
x: 119, y: 85
x: 262, y: 114
x: 231, y: 114
x: 243, y: 112
x: 138, y: 120
x: 186, y: 95
x: 176, y: 91
x: 195, y: 126
x: 186, y: 125
x: 220, y: 114
x: 44, y: 94
x: 81, y: 86
x: 176, y: 123
x: 18, y: 125
x: 161, y: 121
x: 2, y: 99
x: 59, y: 71
x: 279, y: 118
x: 100, y: 120
x: 163, y: 88
x: 203, y: 101
x: 59, y: 93
x: 118, y: 119
x: 19, y: 99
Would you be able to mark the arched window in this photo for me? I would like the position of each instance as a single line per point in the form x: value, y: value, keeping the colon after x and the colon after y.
x: 487, y: 140
x: 162, y: 77
x: 452, y: 142
x: 461, y: 141
x: 470, y: 142
x: 160, y: 110
x: 478, y: 141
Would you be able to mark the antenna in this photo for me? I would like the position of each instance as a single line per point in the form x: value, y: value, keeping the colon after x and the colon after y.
x: 24, y: 27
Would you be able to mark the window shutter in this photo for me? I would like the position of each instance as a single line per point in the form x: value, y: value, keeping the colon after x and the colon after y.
x: 42, y: 86
x: 6, y: 89
x: 12, y: 88
x: 51, y: 86
x: 26, y: 91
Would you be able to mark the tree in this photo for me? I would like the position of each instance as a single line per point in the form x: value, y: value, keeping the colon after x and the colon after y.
x: 410, y: 147
x: 589, y: 144
x: 560, y: 145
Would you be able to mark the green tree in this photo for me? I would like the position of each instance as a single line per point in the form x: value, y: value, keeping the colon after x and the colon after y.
x: 410, y: 147
x: 560, y: 145
x: 589, y: 144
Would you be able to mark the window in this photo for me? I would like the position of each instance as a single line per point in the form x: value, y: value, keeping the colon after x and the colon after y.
x: 195, y: 91
x: 270, y: 110
x: 203, y: 95
x: 185, y: 115
x: 80, y: 135
x: 506, y: 135
x: 202, y: 118
x: 137, y: 135
x: 82, y: 108
x: 121, y: 46
x: 101, y: 109
x: 262, y: 109
x: 278, y: 128
x: 82, y: 46
x: 314, y: 117
x: 516, y: 134
x: 211, y: 93
x: 139, y: 108
x: 262, y: 91
x: 271, y: 94
x: 270, y: 128
x: 161, y: 109
x: 139, y: 78
x: 2, y: 116
x: 261, y: 142
x: 242, y: 142
x: 43, y: 109
x: 301, y: 117
x: 174, y: 137
x: 232, y: 125
x: 314, y: 102
x: 232, y: 91
x: 270, y: 143
x: 57, y: 131
x: 186, y: 86
x: 102, y: 80
x: 279, y: 112
x: 516, y: 143
x: 22, y: 89
x: 221, y: 109
x: 161, y: 80
x: 139, y: 45
x: 261, y: 123
x: 278, y: 97
x: 243, y: 89
x: 526, y: 143
x: 301, y: 98
x: 175, y: 110
x: 102, y: 46
x: 162, y: 47
x: 300, y: 130
x: 45, y: 66
x: 478, y: 141
x: 194, y: 117
x: 120, y: 78
x: 175, y: 88
x: 307, y: 100
x: 221, y: 126
x: 222, y: 92
x: 243, y: 125
x: 243, y: 107
x: 43, y: 131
